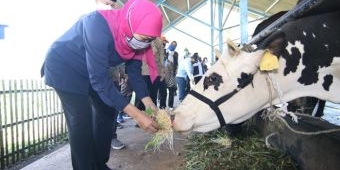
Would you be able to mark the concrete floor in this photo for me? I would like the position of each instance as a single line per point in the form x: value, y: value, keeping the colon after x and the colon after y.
x: 57, y: 160
x: 132, y: 157
x: 135, y: 142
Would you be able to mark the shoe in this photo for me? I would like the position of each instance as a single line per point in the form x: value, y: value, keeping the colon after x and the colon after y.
x: 117, y: 144
x: 119, y: 126
x: 126, y: 117
x: 171, y: 108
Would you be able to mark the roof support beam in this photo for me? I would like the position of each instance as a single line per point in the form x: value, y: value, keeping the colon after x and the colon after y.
x: 249, y: 10
x: 2, y: 31
x: 244, y: 21
x: 191, y: 36
x: 220, y: 6
x: 231, y: 9
x: 237, y: 25
x: 212, y: 22
x: 271, y: 6
x: 186, y: 14
x: 166, y: 15
x: 188, y: 4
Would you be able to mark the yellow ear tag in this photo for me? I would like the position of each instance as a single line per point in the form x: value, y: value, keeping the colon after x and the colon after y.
x: 269, y: 62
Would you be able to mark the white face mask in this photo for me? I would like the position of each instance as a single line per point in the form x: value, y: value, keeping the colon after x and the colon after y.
x: 137, y: 44
x: 133, y: 42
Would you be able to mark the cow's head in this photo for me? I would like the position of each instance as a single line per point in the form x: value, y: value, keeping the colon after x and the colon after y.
x: 234, y: 85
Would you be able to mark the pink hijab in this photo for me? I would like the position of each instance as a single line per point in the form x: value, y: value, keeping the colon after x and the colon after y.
x: 145, y: 19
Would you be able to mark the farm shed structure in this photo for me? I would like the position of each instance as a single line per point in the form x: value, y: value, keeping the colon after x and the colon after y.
x: 218, y: 20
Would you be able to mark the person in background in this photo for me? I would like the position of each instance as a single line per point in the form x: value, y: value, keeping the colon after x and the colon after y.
x: 197, y: 68
x: 204, y: 64
x: 77, y: 68
x: 170, y: 81
x: 184, y: 74
x: 170, y: 52
x: 187, y: 54
x: 115, y: 142
x: 162, y: 92
x: 126, y: 90
x: 153, y: 86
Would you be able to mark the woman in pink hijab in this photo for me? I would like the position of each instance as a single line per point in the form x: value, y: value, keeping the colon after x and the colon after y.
x: 78, y: 64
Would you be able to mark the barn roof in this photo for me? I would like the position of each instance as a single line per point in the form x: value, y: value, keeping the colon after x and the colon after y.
x: 175, y: 11
x: 179, y: 11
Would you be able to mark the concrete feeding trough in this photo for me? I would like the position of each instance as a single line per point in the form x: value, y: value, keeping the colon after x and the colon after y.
x: 312, y: 152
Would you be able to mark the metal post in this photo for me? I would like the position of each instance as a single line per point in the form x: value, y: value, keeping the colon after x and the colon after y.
x: 244, y: 21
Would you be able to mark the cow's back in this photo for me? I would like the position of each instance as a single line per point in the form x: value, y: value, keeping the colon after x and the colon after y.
x: 320, y: 39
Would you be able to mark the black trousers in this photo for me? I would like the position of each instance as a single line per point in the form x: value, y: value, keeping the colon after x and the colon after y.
x: 172, y: 91
x: 152, y: 89
x: 162, y: 94
x: 89, y: 121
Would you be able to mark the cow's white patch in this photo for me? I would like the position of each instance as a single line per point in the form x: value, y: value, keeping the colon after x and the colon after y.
x: 314, y: 36
x: 304, y: 33
x: 296, y: 44
x: 289, y: 48
x: 324, y: 25
x: 326, y: 45
x: 254, y: 46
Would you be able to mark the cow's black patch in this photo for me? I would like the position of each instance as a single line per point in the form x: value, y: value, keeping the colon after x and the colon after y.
x: 320, y: 45
x: 213, y: 80
x: 309, y: 75
x: 292, y: 61
x: 327, y: 81
x: 245, y: 79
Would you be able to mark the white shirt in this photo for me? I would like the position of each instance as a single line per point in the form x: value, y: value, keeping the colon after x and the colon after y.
x: 185, y: 69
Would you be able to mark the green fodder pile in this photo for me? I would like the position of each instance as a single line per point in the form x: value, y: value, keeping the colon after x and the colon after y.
x: 246, y: 151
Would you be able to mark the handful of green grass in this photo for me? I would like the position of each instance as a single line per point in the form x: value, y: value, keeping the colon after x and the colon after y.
x: 164, y: 136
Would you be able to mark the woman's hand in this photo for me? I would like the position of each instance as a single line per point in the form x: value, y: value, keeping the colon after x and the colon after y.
x: 144, y: 121
x: 148, y: 103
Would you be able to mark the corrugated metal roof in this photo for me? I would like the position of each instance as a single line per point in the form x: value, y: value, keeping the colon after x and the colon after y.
x: 171, y: 8
x: 175, y: 11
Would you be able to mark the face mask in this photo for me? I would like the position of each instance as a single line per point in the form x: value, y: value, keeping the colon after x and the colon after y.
x: 137, y: 44
x: 133, y: 42
x: 172, y: 47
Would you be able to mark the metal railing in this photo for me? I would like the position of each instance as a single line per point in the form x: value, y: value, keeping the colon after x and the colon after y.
x: 31, y: 120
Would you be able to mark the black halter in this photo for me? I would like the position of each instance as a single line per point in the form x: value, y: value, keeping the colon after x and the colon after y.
x: 214, y: 104
x: 243, y: 82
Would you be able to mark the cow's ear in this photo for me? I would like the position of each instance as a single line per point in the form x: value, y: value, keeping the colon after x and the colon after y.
x: 275, y: 43
x: 233, y: 50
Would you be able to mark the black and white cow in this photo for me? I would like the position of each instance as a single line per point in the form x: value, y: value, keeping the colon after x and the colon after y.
x: 310, y: 105
x: 234, y: 88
